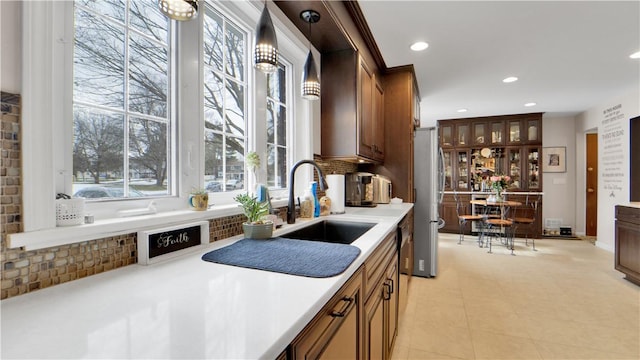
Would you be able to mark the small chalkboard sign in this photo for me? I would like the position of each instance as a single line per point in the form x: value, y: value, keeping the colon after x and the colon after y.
x: 157, y: 244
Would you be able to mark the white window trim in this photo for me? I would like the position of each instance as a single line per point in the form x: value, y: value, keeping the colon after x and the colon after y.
x: 46, y: 44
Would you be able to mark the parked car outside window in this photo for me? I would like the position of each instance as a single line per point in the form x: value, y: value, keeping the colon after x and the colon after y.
x: 96, y: 192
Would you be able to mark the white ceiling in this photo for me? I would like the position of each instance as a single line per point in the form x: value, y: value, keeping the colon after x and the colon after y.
x: 569, y: 56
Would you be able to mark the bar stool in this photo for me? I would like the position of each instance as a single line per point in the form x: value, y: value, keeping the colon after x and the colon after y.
x: 501, y: 224
x: 463, y: 218
x: 526, y: 216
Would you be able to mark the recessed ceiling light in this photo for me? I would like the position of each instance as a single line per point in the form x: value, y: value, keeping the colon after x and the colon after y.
x: 510, y: 79
x: 419, y: 46
x: 530, y: 104
x: 635, y: 55
x: 462, y: 110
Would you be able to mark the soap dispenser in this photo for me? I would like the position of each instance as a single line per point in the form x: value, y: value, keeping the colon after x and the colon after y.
x: 316, y: 203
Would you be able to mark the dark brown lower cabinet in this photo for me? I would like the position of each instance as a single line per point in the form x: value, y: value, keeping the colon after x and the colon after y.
x: 627, y: 247
x: 335, y: 333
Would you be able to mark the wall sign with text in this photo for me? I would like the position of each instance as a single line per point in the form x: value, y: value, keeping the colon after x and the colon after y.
x: 160, y: 244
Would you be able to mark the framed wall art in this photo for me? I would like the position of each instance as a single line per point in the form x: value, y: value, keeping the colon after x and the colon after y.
x: 554, y: 159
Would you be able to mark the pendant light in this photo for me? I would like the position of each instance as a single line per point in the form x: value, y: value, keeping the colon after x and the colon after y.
x: 310, y: 80
x: 266, y: 48
x: 180, y: 10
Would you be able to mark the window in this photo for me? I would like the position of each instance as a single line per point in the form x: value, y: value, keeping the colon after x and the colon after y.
x: 277, y: 129
x: 121, y: 93
x: 113, y: 107
x: 225, y: 113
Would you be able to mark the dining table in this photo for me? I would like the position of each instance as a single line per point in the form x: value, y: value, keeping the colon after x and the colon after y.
x: 498, y: 220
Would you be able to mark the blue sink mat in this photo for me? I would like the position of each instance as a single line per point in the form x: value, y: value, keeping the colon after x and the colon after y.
x: 290, y: 256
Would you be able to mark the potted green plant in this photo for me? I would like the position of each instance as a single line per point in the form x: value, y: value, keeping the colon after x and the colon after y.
x: 199, y: 199
x: 255, y: 227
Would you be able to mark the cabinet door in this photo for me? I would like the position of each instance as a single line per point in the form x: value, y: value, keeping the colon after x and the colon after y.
x: 365, y: 119
x: 463, y: 134
x: 514, y: 168
x: 479, y: 133
x: 448, y: 169
x: 391, y: 306
x: 446, y: 135
x: 462, y: 171
x: 375, y: 345
x: 534, y: 178
x: 496, y: 136
x: 336, y: 332
x: 514, y: 130
x: 533, y: 130
x: 378, y: 112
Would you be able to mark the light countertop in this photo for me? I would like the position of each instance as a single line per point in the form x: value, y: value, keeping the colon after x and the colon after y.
x: 180, y: 308
x: 633, y: 204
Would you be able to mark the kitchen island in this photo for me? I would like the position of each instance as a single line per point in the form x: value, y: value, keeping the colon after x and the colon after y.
x: 183, y: 307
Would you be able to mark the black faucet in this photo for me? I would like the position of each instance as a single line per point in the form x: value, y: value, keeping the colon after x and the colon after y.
x: 291, y: 208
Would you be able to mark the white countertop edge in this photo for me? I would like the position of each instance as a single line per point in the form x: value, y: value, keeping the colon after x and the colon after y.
x: 633, y: 204
x: 65, y: 319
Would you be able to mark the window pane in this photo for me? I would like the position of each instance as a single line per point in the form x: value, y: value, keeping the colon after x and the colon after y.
x: 276, y: 85
x: 148, y: 159
x: 234, y: 112
x: 148, y: 77
x: 234, y: 61
x: 213, y: 163
x: 147, y: 18
x: 98, y: 61
x: 281, y: 169
x: 235, y: 163
x: 125, y: 166
x: 282, y: 126
x: 111, y: 8
x: 271, y: 165
x: 213, y: 41
x: 224, y: 102
x: 98, y: 148
x: 271, y: 129
x: 213, y: 101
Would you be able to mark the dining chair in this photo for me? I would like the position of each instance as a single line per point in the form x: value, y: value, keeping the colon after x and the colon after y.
x: 463, y: 218
x: 525, y: 217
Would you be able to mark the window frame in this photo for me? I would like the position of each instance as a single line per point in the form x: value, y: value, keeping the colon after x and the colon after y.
x: 47, y: 48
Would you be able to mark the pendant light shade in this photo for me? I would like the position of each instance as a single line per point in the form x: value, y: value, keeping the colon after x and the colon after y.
x: 310, y: 79
x: 180, y: 10
x: 266, y: 49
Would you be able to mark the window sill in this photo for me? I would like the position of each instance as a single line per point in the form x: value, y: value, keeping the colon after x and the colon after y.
x: 66, y: 235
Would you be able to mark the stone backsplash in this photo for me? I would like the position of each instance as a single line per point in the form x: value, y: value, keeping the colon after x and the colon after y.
x: 26, y: 271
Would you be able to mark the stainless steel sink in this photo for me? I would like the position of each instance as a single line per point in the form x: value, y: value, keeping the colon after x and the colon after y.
x: 333, y: 231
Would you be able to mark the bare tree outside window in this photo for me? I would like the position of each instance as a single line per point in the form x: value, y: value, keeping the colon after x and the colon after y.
x: 120, y: 95
x: 224, y: 103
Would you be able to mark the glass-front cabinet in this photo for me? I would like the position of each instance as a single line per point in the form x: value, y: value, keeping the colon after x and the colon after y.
x: 462, y: 171
x: 497, y: 133
x: 514, y: 132
x: 446, y: 135
x: 448, y: 169
x: 534, y: 131
x: 533, y: 168
x: 514, y: 166
x: 479, y: 133
x: 462, y: 134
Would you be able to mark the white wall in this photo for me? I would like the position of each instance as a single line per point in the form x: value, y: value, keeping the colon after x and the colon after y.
x: 613, y: 175
x: 11, y: 40
x: 559, y: 201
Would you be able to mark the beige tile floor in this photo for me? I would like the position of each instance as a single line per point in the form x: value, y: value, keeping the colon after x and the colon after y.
x: 564, y: 301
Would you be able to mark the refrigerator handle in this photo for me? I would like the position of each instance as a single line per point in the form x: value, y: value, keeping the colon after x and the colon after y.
x: 442, y: 175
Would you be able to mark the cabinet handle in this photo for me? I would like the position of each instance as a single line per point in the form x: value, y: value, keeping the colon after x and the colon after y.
x: 386, y: 292
x: 348, y: 301
x: 391, y: 286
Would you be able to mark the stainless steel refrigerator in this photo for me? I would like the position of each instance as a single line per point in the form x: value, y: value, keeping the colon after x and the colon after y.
x: 428, y: 178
